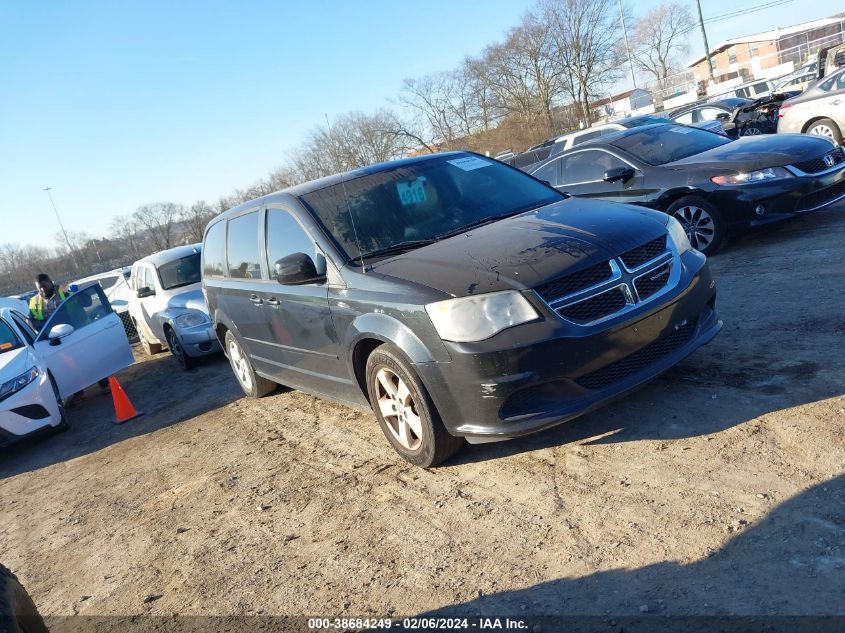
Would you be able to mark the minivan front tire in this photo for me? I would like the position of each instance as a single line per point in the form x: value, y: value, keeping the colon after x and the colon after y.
x: 405, y: 412
x: 253, y: 385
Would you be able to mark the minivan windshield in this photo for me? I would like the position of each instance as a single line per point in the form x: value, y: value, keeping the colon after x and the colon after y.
x: 414, y: 204
x: 180, y: 272
x: 668, y: 143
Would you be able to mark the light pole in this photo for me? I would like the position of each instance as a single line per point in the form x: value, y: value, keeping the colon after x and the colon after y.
x: 704, y: 35
x: 62, y: 226
x: 627, y: 47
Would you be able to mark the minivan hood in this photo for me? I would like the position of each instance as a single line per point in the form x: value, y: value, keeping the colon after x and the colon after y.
x: 527, y: 250
x: 757, y: 152
x: 191, y: 299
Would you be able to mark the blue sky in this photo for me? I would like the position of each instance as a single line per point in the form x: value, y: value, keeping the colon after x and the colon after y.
x: 118, y: 104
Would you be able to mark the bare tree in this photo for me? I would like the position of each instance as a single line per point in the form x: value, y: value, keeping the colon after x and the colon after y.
x: 659, y: 38
x: 126, y: 230
x: 158, y: 219
x: 586, y: 35
x: 194, y: 220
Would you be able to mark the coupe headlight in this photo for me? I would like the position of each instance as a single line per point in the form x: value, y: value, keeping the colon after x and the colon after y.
x: 191, y: 319
x: 18, y: 382
x: 678, y: 235
x: 477, y: 318
x: 761, y: 175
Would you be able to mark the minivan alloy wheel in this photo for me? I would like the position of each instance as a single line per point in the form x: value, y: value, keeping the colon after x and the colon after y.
x: 240, y: 365
x: 698, y: 225
x: 398, y: 408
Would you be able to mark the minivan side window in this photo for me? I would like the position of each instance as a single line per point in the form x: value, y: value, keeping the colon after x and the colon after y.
x: 242, y: 247
x: 212, y: 251
x: 285, y: 236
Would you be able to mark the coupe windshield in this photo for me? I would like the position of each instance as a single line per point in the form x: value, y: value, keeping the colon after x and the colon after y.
x: 414, y: 204
x: 180, y: 272
x: 668, y: 143
x: 8, y: 338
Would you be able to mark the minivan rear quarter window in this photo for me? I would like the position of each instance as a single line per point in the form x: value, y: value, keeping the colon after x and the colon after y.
x: 242, y: 247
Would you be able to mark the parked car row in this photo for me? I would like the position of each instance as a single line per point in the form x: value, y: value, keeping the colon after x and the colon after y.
x: 713, y: 186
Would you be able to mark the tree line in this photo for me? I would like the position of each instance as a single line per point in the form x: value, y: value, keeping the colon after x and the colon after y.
x: 538, y: 81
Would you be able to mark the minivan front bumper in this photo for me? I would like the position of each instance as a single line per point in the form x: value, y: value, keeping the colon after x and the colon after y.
x: 537, y: 375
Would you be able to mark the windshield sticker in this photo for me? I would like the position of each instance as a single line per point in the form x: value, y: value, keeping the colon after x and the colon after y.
x: 411, y: 192
x: 469, y: 163
x: 5, y: 346
x: 682, y: 130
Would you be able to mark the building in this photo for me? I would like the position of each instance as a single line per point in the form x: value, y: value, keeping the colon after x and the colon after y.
x: 769, y: 54
x: 622, y: 104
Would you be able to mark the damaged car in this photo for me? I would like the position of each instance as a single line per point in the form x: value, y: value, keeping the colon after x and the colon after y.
x: 459, y: 298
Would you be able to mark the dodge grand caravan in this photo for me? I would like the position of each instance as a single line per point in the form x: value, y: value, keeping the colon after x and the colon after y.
x: 456, y: 296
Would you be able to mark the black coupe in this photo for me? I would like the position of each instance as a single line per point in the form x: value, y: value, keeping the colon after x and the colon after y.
x: 714, y: 186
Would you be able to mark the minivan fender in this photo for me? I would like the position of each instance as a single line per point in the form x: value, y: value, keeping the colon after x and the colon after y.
x: 386, y: 328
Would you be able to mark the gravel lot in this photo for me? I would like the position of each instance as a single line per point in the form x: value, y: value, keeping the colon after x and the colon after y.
x: 716, y: 489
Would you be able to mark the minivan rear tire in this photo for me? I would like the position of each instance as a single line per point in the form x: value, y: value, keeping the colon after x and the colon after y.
x: 392, y: 382
x: 253, y: 385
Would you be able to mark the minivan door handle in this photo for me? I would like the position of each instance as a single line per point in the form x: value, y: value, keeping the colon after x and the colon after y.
x: 272, y: 301
x: 256, y: 300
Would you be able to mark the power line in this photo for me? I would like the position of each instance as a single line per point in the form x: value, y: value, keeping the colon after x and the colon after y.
x: 737, y: 13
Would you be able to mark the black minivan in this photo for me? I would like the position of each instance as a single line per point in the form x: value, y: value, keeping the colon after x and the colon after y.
x: 457, y: 296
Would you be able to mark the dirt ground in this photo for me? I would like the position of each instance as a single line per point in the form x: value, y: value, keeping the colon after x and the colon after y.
x: 716, y: 489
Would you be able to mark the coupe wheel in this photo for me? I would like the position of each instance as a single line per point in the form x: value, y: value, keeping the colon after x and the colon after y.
x: 405, y: 412
x: 701, y: 223
x: 185, y: 362
x: 752, y: 130
x: 253, y: 385
x: 826, y: 128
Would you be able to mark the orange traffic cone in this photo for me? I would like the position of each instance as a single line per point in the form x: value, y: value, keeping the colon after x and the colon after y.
x: 123, y: 409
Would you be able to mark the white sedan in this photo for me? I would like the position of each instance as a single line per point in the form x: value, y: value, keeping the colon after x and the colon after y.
x: 81, y: 343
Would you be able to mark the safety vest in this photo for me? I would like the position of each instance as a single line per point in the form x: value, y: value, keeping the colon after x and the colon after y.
x: 36, y: 304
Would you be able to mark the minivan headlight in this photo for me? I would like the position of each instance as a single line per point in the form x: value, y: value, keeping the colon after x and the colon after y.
x: 678, y: 235
x: 476, y: 318
x: 760, y: 175
x: 18, y: 382
x: 191, y: 319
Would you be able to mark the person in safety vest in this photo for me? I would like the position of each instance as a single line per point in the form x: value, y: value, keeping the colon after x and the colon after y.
x: 49, y: 296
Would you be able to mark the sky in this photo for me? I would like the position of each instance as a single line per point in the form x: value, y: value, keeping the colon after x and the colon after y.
x: 115, y: 105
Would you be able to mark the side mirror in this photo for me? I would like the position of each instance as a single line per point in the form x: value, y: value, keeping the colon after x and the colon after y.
x: 297, y: 269
x: 58, y: 332
x: 146, y: 291
x: 618, y: 173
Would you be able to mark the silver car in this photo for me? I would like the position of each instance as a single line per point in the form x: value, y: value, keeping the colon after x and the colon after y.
x: 168, y: 307
x: 820, y: 109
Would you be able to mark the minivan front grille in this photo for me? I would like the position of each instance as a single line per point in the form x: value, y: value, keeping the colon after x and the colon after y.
x: 628, y: 366
x: 604, y: 290
x: 653, y: 281
x: 816, y: 165
x: 575, y: 282
x: 645, y: 253
x: 596, y: 307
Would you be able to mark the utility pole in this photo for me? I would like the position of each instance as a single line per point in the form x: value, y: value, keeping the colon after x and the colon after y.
x: 62, y: 226
x: 627, y: 47
x: 704, y: 35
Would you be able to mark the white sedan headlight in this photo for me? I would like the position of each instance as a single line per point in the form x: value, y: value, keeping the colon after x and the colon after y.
x: 18, y: 382
x: 476, y: 318
x: 191, y: 319
x: 678, y: 235
x: 761, y: 175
